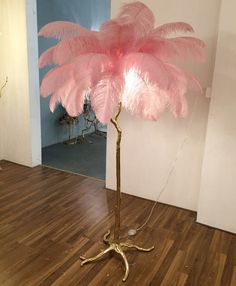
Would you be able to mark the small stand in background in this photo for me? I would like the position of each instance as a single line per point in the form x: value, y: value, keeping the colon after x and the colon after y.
x: 70, y: 122
x: 89, y: 123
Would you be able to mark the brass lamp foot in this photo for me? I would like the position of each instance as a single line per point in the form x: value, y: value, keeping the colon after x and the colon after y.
x: 118, y: 248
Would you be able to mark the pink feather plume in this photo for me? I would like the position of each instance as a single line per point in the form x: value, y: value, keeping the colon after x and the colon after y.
x: 128, y: 61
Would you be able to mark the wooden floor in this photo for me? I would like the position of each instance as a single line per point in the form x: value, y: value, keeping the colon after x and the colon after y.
x: 49, y: 218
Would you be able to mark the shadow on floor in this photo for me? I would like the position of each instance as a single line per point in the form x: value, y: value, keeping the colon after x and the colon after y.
x: 85, y: 159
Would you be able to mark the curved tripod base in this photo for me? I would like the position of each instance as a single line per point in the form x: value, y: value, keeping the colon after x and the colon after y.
x: 118, y: 248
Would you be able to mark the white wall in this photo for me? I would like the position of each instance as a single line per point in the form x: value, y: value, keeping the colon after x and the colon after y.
x: 217, y: 203
x: 19, y: 107
x: 2, y: 72
x: 149, y: 148
x: 148, y: 152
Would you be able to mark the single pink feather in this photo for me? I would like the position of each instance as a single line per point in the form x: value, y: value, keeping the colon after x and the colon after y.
x: 74, y: 101
x: 55, y: 79
x: 189, y: 47
x: 47, y: 58
x: 169, y: 28
x: 71, y: 95
x: 176, y: 92
x: 62, y: 30
x: 61, y: 93
x: 170, y: 48
x: 105, y: 97
x: 193, y: 83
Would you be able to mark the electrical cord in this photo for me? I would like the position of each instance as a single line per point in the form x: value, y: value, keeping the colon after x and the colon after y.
x: 133, y: 231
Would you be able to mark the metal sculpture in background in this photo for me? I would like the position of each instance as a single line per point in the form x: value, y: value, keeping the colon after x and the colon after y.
x: 90, y: 122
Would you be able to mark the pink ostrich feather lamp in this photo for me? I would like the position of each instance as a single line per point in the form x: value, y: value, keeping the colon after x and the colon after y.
x: 127, y: 64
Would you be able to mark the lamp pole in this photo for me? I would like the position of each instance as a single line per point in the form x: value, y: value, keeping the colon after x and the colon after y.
x: 114, y: 243
x: 117, y: 207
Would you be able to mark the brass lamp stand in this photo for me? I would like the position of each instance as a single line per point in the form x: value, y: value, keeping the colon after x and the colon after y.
x: 114, y: 244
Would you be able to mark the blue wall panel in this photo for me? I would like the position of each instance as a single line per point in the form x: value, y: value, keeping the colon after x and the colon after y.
x: 89, y: 13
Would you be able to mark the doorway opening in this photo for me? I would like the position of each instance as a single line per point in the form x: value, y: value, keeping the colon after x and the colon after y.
x: 75, y: 144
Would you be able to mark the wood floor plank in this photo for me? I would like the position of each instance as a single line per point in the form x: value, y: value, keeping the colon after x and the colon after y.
x: 48, y: 218
x: 233, y: 279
